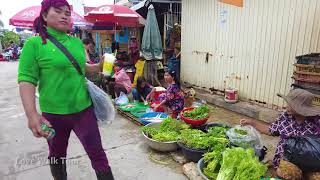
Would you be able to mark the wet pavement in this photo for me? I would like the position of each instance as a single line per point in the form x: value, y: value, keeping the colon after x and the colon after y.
x: 23, y: 157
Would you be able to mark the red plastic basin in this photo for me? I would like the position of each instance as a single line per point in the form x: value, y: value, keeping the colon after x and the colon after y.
x: 193, y: 122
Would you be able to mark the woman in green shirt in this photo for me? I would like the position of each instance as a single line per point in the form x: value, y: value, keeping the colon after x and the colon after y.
x: 64, y: 100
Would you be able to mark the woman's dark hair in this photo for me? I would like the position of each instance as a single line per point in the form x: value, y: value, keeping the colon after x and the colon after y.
x: 115, y: 46
x: 39, y: 24
x: 140, y: 80
x: 118, y: 64
x: 173, y: 74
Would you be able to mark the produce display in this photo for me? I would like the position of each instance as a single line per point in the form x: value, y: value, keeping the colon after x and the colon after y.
x: 166, y: 136
x: 213, y: 160
x: 196, y: 139
x: 218, y: 131
x: 241, y: 132
x: 198, y: 113
x: 239, y: 164
x: 244, y: 136
x: 169, y: 130
x: 223, y: 163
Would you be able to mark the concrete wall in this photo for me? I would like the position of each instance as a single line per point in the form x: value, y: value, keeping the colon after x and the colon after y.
x: 251, y: 48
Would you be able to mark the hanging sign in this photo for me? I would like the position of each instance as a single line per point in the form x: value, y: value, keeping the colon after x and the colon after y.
x: 238, y: 3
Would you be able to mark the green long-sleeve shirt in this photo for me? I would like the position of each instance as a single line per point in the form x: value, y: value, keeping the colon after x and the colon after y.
x: 61, y: 89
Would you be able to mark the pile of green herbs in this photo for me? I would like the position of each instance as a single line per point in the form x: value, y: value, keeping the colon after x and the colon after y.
x: 198, y: 113
x: 196, y: 139
x: 169, y: 130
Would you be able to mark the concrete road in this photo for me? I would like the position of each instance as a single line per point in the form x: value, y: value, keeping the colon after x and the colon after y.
x: 23, y: 157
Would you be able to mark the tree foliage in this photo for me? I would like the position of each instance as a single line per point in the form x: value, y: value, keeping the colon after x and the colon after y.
x: 8, y: 37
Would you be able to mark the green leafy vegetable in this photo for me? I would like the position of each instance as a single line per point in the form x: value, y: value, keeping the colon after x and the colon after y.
x: 209, y: 173
x: 197, y: 113
x: 250, y: 169
x: 149, y: 131
x: 241, y: 132
x: 170, y: 124
x: 218, y: 131
x: 194, y: 138
x: 213, y: 161
x: 239, y: 164
x: 197, y: 139
x: 166, y: 136
x: 169, y: 130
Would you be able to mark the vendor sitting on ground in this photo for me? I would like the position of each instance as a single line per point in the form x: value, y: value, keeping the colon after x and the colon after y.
x: 143, y: 89
x: 300, y: 118
x: 172, y: 100
x: 122, y: 81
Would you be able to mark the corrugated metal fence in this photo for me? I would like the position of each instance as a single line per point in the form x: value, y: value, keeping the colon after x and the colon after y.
x: 251, y: 48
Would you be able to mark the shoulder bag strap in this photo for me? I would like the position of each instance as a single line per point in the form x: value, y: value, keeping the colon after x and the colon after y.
x: 67, y: 53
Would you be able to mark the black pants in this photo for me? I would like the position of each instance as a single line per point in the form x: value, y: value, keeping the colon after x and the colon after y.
x: 115, y: 89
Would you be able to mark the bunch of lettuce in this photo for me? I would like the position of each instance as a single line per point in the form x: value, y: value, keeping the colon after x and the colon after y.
x: 213, y: 160
x: 166, y: 136
x: 239, y: 164
x: 170, y: 124
x: 169, y: 130
x: 196, y: 139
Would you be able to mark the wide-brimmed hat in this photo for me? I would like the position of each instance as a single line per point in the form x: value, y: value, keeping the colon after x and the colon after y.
x: 301, y: 102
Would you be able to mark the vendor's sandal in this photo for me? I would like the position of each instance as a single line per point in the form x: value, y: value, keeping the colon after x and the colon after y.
x: 289, y: 171
x: 59, y: 169
x: 104, y: 175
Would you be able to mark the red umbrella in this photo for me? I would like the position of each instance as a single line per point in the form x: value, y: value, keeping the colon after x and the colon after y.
x: 121, y: 15
x: 26, y: 17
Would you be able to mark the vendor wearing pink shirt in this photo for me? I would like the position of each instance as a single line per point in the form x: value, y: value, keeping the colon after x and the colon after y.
x: 122, y: 81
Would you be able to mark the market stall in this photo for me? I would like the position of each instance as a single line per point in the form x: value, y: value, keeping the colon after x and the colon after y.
x: 113, y: 26
x: 216, y: 148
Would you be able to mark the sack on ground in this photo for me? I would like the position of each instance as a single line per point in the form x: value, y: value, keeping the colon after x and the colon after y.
x: 303, y: 151
x: 103, y: 106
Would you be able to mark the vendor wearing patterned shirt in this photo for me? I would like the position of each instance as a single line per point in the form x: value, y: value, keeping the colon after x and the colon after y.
x: 300, y: 118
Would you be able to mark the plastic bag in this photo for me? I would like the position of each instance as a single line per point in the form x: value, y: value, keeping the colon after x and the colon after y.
x: 303, y: 151
x: 122, y: 99
x: 103, y: 106
x: 245, y: 136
